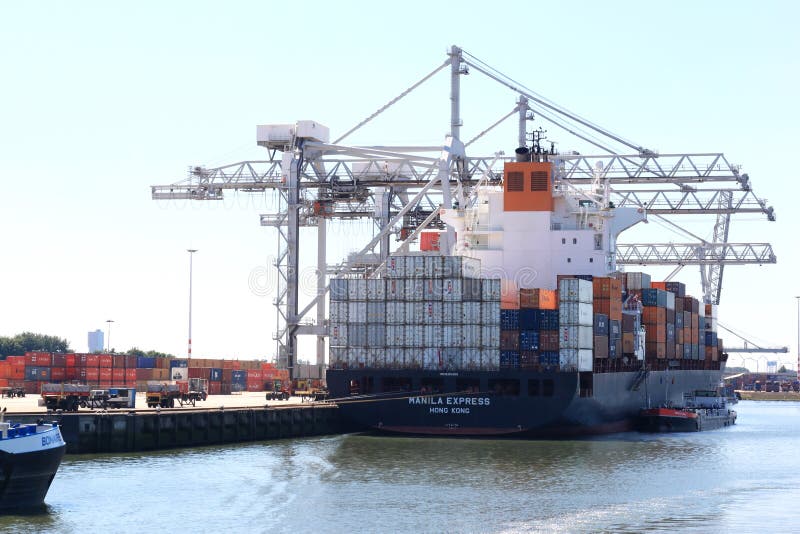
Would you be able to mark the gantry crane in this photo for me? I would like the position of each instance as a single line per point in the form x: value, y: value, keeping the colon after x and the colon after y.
x: 402, y: 189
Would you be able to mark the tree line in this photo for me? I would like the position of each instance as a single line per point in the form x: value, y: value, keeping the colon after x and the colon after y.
x: 29, y: 341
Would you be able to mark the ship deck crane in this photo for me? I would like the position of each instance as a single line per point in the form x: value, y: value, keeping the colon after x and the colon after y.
x: 316, y: 181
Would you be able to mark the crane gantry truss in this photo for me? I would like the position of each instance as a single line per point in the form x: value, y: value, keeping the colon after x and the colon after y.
x: 402, y: 188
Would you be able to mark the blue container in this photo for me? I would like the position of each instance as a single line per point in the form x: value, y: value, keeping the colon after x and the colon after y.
x: 528, y: 319
x: 215, y: 374
x: 548, y: 319
x: 711, y: 339
x: 239, y: 376
x: 548, y: 357
x: 145, y: 362
x: 35, y: 373
x: 509, y: 359
x: 529, y: 340
x: 678, y: 288
x: 614, y: 349
x: 587, y: 277
x: 670, y: 333
x: 615, y: 329
x: 178, y: 363
x: 679, y: 320
x: 687, y: 351
x: 600, y: 324
x: 654, y: 297
x: 509, y: 319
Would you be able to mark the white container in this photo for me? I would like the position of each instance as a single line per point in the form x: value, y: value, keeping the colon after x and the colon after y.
x: 432, y: 358
x: 585, y: 359
x: 414, y: 336
x: 413, y: 289
x: 461, y: 267
x: 471, y: 312
x: 356, y: 335
x: 452, y: 335
x: 451, y: 312
x: 471, y: 334
x: 432, y: 289
x: 395, y: 335
x: 415, y: 313
x: 395, y: 267
x: 490, y: 359
x: 336, y: 356
x: 432, y: 335
x: 338, y: 287
x: 338, y: 311
x: 575, y: 290
x: 376, y: 312
x: 490, y: 312
x: 434, y: 267
x: 395, y: 312
x: 338, y: 335
x: 395, y: 289
x: 432, y: 312
x: 376, y: 357
x: 671, y: 300
x: 394, y: 357
x: 490, y: 336
x: 451, y: 289
x: 357, y: 357
x: 575, y: 313
x: 490, y: 289
x: 452, y: 358
x: 576, y: 337
x: 471, y: 358
x: 357, y: 311
x: 376, y: 335
x: 568, y: 359
x: 412, y: 357
x: 376, y: 289
x: 415, y: 266
x: 357, y: 289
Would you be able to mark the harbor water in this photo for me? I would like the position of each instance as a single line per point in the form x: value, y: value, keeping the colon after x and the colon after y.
x: 739, y: 479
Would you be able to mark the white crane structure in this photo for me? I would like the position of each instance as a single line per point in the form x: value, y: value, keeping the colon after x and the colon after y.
x: 401, y: 188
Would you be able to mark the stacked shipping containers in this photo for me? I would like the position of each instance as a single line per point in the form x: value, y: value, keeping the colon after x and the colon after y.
x: 428, y: 312
x: 575, y: 318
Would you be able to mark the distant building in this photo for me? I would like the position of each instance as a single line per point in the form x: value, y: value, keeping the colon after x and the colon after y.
x: 96, y: 341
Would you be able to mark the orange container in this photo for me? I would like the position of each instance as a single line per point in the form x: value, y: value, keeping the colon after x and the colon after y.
x: 543, y: 299
x: 606, y: 288
x: 652, y: 315
x: 654, y: 349
x: 656, y: 333
x: 611, y: 307
x: 659, y: 285
x: 429, y: 241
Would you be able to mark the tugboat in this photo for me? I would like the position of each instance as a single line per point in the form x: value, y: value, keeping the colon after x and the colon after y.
x: 702, y: 410
x: 30, y: 454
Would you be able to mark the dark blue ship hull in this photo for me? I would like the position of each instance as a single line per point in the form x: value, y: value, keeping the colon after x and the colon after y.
x: 515, y: 403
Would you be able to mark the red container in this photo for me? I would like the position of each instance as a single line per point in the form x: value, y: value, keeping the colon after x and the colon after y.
x: 92, y: 374
x: 130, y: 375
x: 32, y: 387
x: 105, y: 360
x: 255, y: 386
x: 118, y: 361
x: 92, y: 360
x: 144, y: 374
x: 58, y: 374
x: 198, y: 372
x: 59, y: 359
x: 69, y: 360
x: 70, y: 373
x: 105, y: 374
x: 38, y: 359
x: 254, y: 375
x: 215, y: 388
x: 118, y: 375
x: 429, y: 241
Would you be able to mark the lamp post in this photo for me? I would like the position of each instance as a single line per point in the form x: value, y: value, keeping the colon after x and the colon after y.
x: 191, y: 252
x: 108, y: 346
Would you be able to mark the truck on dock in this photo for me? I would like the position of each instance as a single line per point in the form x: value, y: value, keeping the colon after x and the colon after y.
x: 277, y: 390
x: 166, y: 395
x: 66, y: 397
x: 119, y: 397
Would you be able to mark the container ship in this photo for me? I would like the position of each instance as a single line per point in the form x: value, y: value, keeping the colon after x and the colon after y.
x: 515, y: 321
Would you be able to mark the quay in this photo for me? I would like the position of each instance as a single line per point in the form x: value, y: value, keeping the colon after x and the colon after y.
x: 119, y: 431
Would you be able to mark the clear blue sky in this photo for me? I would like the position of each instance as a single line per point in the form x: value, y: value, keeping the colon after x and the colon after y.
x: 100, y: 100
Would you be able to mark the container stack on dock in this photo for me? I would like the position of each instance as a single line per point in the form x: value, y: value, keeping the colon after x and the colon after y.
x: 103, y: 371
x: 427, y: 312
